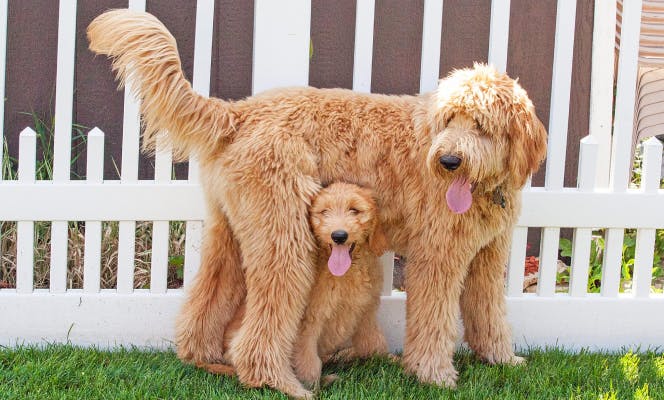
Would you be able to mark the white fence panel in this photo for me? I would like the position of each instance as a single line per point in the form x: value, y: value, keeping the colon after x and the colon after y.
x: 281, y: 57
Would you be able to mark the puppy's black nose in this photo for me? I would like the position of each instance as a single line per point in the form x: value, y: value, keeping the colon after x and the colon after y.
x: 450, y: 163
x: 339, y: 237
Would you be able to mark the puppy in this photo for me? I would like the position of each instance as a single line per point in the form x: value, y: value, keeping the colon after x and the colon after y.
x: 340, y: 318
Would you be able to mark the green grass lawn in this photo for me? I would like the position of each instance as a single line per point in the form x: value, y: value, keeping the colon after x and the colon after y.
x: 65, y: 372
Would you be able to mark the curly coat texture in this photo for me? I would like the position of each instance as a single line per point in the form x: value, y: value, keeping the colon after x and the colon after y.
x: 340, y: 319
x: 264, y: 158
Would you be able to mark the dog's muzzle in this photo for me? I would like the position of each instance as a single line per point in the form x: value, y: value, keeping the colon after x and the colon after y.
x: 450, y: 162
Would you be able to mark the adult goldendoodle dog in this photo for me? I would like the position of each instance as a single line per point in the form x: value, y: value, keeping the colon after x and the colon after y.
x: 446, y: 167
x: 340, y: 317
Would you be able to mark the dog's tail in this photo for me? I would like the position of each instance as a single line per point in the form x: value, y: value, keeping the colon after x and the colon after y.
x: 145, y: 54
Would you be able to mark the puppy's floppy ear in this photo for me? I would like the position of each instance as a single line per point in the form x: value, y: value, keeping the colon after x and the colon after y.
x: 527, y: 138
x: 378, y: 241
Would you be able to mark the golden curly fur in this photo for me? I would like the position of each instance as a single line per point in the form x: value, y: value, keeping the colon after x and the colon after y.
x: 264, y: 158
x: 341, y: 310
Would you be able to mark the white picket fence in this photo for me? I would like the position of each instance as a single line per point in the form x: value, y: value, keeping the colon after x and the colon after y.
x: 108, y: 317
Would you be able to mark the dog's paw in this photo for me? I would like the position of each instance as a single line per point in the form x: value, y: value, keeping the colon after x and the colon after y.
x: 510, y: 359
x: 446, y: 378
x: 308, y: 368
x: 516, y: 360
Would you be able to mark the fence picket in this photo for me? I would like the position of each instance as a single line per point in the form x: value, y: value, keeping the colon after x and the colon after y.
x: 27, y: 157
x: 3, y: 63
x: 516, y: 266
x: 281, y: 44
x: 160, y: 229
x: 578, y: 282
x: 432, y: 27
x: 201, y: 84
x: 548, y: 262
x: 601, y: 85
x: 621, y: 149
x: 645, y: 238
x: 612, y: 263
x: 499, y: 30
x: 64, y: 97
x: 131, y: 129
x: 92, y: 251
x: 363, y: 52
x: 560, y: 94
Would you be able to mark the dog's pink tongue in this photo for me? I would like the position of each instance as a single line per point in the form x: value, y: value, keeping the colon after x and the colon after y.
x: 458, y: 196
x: 339, y: 261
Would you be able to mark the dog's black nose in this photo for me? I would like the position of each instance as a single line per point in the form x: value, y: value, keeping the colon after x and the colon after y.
x: 450, y: 162
x: 339, y: 237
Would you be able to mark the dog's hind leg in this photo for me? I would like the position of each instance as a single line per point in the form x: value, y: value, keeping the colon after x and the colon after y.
x: 212, y: 301
x: 270, y: 218
x: 483, y: 305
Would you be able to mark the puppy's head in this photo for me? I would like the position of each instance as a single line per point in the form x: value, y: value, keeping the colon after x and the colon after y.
x: 343, y: 217
x: 484, y: 130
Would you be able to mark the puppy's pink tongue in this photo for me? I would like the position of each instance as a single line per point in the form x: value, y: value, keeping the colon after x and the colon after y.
x: 339, y: 261
x: 458, y: 196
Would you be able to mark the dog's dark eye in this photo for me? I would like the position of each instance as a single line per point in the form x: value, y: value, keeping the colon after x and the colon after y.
x: 354, y: 211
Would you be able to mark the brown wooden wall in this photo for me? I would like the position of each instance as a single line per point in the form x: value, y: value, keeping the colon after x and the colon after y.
x: 31, y: 58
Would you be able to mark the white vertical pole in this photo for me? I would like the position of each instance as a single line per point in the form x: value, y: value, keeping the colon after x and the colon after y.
x: 578, y: 282
x: 131, y: 129
x: 160, y: 229
x: 25, y: 234
x: 516, y: 265
x: 281, y: 44
x: 601, y: 86
x: 3, y: 64
x: 621, y: 151
x: 645, y: 238
x: 201, y: 84
x: 432, y: 27
x: 363, y: 55
x: 92, y: 251
x: 64, y: 98
x: 499, y: 31
x: 560, y: 94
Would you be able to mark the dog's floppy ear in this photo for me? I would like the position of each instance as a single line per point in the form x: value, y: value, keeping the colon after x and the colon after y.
x: 527, y: 138
x: 378, y: 241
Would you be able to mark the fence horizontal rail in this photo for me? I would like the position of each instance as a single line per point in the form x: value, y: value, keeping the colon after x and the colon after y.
x: 147, y: 319
x: 183, y: 201
x: 109, y: 201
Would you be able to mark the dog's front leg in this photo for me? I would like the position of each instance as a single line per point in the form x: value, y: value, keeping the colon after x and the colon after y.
x: 483, y: 304
x: 434, y: 278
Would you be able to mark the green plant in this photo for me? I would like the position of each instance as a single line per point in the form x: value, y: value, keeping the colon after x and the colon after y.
x: 627, y: 261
